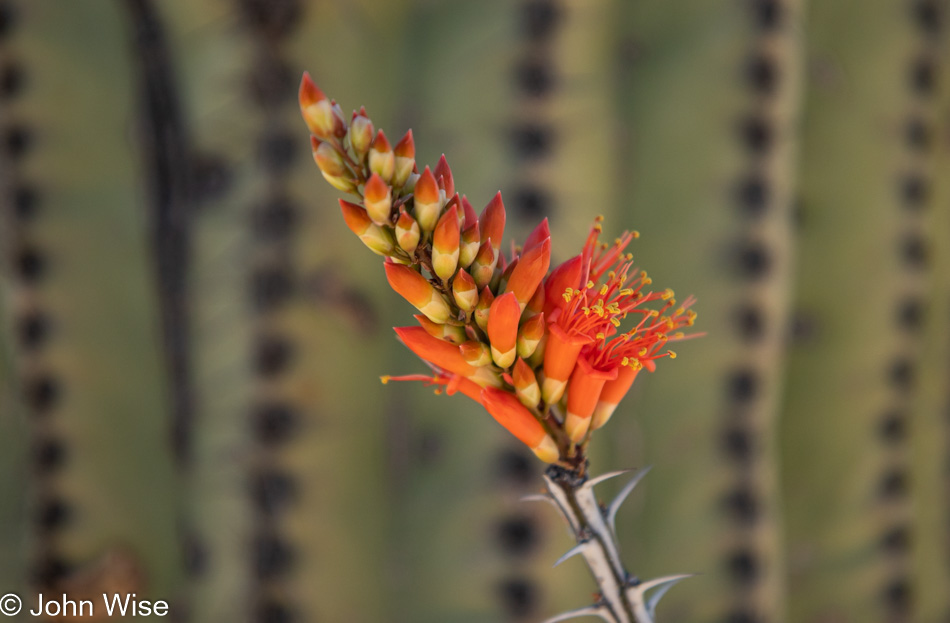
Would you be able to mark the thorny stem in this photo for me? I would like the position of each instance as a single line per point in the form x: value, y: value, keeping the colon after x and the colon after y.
x: 603, y: 560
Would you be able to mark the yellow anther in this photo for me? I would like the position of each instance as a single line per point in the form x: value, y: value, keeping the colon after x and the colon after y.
x: 385, y: 379
x: 635, y: 233
x: 667, y: 294
x: 603, y: 290
x: 679, y: 312
x: 629, y: 257
x: 586, y: 310
x: 625, y: 361
x: 618, y: 241
x: 661, y: 336
x: 626, y: 292
x: 643, y: 274
x: 601, y: 336
x: 599, y: 218
x: 603, y: 246
x: 647, y: 281
x: 636, y: 365
x: 598, y: 228
x: 643, y: 352
x: 679, y: 335
x: 438, y: 392
x: 615, y: 322
x: 612, y: 275
x: 567, y: 296
x: 654, y: 313
x: 671, y: 354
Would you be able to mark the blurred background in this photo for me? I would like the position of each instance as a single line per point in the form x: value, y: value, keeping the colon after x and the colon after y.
x: 191, y: 339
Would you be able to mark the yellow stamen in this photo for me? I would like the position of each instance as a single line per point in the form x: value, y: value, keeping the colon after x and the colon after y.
x: 667, y: 294
x: 671, y: 354
x: 385, y: 379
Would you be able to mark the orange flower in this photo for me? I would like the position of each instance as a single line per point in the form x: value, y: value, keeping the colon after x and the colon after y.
x: 475, y: 353
x: 427, y: 203
x: 483, y: 267
x: 405, y: 159
x: 407, y: 233
x: 529, y: 335
x: 526, y: 385
x: 531, y: 269
x: 503, y: 319
x: 560, y: 355
x: 378, y: 239
x: 323, y: 118
x: 582, y: 395
x: 382, y: 159
x: 378, y: 198
x: 613, y: 393
x: 414, y: 288
x: 444, y: 356
x: 464, y: 291
x: 445, y: 245
x: 483, y: 308
x: 520, y: 422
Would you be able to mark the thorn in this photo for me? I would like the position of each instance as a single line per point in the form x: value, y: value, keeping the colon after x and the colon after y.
x: 662, y: 585
x: 618, y: 501
x: 596, y: 610
x: 593, y: 482
x: 574, y: 551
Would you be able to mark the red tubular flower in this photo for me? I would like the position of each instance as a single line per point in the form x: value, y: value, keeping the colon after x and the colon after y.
x: 565, y: 276
x: 531, y: 269
x: 492, y: 223
x: 560, y: 355
x: 414, y: 288
x: 378, y: 239
x: 582, y: 395
x: 443, y: 171
x: 520, y: 422
x: 427, y: 203
x: 444, y: 355
x: 526, y: 385
x: 378, y: 198
x: 405, y: 159
x: 382, y: 159
x: 613, y: 393
x: 445, y: 245
x: 503, y: 319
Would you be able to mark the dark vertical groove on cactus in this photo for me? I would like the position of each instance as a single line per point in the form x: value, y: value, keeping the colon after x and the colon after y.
x: 761, y: 261
x: 274, y: 421
x: 41, y: 387
x: 169, y: 169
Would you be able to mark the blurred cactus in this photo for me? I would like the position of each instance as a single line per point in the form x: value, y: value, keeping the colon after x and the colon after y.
x: 787, y: 154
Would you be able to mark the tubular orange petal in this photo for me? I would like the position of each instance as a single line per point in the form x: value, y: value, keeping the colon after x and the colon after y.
x: 526, y: 385
x: 612, y: 394
x: 378, y: 198
x: 482, y: 309
x: 566, y: 275
x: 465, y: 291
x: 503, y: 319
x: 378, y: 239
x: 560, y: 355
x: 531, y: 269
x: 426, y: 201
x: 443, y: 171
x: 445, y: 244
x: 520, y: 422
x: 435, y: 351
x: 382, y: 160
x: 405, y: 159
x: 582, y: 394
x: 530, y: 334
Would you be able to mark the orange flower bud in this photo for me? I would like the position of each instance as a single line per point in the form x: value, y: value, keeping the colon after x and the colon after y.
x: 465, y: 291
x: 475, y: 353
x: 469, y: 244
x: 449, y: 332
x: 444, y: 355
x: 414, y: 288
x: 427, y: 203
x: 520, y: 422
x: 445, y: 245
x: 443, y: 171
x: 530, y: 334
x: 468, y: 212
x: 483, y: 266
x: 361, y: 134
x: 483, y: 308
x: 503, y: 318
x: 378, y: 198
x: 536, y: 237
x: 536, y: 304
x: 560, y: 355
x: 582, y: 395
x: 407, y: 233
x: 323, y: 119
x: 378, y: 239
x: 405, y: 152
x: 382, y: 160
x: 613, y: 393
x: 492, y: 222
x: 531, y: 269
x: 526, y: 385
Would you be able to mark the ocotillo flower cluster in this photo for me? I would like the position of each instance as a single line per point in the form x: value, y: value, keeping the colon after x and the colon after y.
x: 549, y: 354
